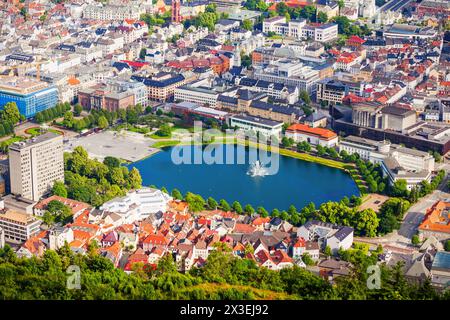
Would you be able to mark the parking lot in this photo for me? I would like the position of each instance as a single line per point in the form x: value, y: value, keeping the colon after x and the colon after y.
x: 125, y: 145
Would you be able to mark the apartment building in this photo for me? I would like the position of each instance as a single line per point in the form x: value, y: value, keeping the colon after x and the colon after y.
x: 35, y: 164
x: 161, y: 87
x: 18, y: 226
x: 300, y: 30
x: 113, y: 12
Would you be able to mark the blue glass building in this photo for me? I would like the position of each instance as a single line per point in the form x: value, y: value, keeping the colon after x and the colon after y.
x: 30, y: 103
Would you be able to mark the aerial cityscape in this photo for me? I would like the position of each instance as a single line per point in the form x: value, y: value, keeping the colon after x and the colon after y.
x: 224, y: 150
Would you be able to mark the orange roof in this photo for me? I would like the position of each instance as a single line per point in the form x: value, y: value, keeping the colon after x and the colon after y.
x: 259, y: 221
x: 75, y: 206
x: 114, y: 249
x: 437, y: 218
x: 355, y: 39
x: 243, y: 228
x: 300, y: 243
x: 321, y: 132
x: 178, y: 205
x: 76, y: 244
x: 73, y: 81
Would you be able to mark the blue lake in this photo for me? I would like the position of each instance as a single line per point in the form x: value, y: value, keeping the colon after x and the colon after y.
x: 296, y: 182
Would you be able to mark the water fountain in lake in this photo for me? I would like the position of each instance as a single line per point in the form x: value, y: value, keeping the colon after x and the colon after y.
x: 257, y: 170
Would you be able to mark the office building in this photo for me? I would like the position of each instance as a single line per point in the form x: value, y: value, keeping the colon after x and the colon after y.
x: 256, y: 125
x: 18, y: 226
x: 30, y: 96
x: 35, y: 164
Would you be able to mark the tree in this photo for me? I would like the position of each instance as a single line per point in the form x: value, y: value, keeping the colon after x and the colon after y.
x: 415, y: 240
x: 196, y: 202
x: 212, y: 204
x: 327, y: 251
x: 304, y: 95
x: 10, y: 113
x: 447, y: 246
x: 164, y: 130
x: 176, y: 194
x: 57, y: 212
x: 131, y: 116
x: 308, y: 12
x: 224, y: 205
x: 246, y: 60
x: 262, y: 212
x: 59, y: 189
x: 281, y: 8
x: 399, y: 188
x: 111, y: 162
x: 306, y: 258
x: 247, y: 25
x: 237, y: 207
x: 135, y: 179
x: 249, y: 210
x: 68, y: 119
x: 77, y: 109
x: 102, y: 122
x: 322, y: 17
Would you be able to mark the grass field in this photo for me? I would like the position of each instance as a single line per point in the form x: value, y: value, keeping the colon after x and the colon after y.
x: 35, y: 131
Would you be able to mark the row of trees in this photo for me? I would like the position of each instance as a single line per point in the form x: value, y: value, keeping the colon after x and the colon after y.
x: 103, y: 118
x: 96, y: 182
x: 224, y: 276
x: 52, y: 113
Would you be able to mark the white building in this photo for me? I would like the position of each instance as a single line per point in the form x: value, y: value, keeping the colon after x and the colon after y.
x: 257, y: 125
x: 2, y: 238
x: 300, y: 30
x: 327, y: 234
x: 35, y: 164
x: 18, y: 226
x: 113, y: 12
x: 58, y: 236
x: 197, y: 92
x: 396, y: 161
x: 314, y: 136
x: 297, y: 74
x: 136, y: 205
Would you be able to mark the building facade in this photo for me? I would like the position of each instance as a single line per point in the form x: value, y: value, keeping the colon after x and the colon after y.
x: 30, y: 96
x: 18, y: 226
x: 35, y: 164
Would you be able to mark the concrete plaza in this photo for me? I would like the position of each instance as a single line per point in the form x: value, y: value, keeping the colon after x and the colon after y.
x: 124, y: 145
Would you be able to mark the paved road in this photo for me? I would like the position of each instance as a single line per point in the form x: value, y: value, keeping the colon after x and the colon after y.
x: 400, y: 241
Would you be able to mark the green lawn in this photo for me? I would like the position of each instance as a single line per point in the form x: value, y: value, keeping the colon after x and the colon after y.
x: 156, y: 137
x: 35, y: 131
